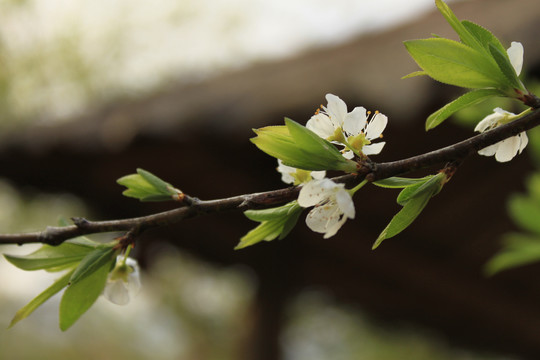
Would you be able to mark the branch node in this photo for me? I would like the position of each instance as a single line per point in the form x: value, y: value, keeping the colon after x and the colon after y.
x: 80, y: 222
x: 52, y: 235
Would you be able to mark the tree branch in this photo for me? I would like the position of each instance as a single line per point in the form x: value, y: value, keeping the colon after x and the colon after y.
x: 192, y: 207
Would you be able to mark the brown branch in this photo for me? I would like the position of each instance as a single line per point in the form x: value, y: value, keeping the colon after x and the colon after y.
x: 192, y: 207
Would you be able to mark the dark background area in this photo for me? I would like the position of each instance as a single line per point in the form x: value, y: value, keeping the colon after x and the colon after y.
x: 196, y: 137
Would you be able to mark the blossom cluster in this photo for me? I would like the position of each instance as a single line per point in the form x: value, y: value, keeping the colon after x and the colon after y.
x: 506, y: 149
x: 356, y: 133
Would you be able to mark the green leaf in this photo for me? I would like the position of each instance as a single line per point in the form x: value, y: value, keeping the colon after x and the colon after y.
x: 518, y: 250
x: 290, y: 223
x: 299, y: 147
x: 275, y: 223
x: 145, y: 186
x: 483, y: 36
x: 400, y: 182
x: 414, y: 74
x: 415, y: 201
x: 265, y: 231
x: 413, y: 191
x: 79, y: 240
x: 50, y: 257
x: 502, y: 60
x: 468, y: 99
x: 36, y: 302
x: 525, y: 211
x: 154, y: 181
x: 92, y: 262
x: 469, y: 35
x: 454, y: 63
x: 81, y: 295
x: 315, y: 146
x: 268, y: 214
x: 276, y: 141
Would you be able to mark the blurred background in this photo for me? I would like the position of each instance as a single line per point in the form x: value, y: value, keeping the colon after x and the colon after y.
x: 89, y: 91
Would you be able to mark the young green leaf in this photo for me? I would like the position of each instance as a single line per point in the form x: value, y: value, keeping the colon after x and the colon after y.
x: 317, y: 147
x: 268, y: 214
x: 414, y: 74
x: 148, y: 187
x: 456, y: 64
x: 308, y: 140
x: 290, y: 222
x: 518, y: 250
x: 414, y: 201
x: 400, y: 182
x: 158, y: 184
x: 36, y: 302
x: 482, y: 35
x: 502, y: 60
x: 413, y: 191
x: 468, y: 99
x: 273, y: 141
x: 81, y: 295
x: 461, y: 29
x: 265, y: 231
x: 92, y: 262
x: 299, y: 147
x: 276, y: 222
x: 49, y: 257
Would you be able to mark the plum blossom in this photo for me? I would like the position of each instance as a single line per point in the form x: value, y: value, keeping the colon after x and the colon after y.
x: 351, y: 129
x: 332, y: 203
x: 291, y: 175
x: 506, y: 149
x: 123, y: 282
x: 360, y: 133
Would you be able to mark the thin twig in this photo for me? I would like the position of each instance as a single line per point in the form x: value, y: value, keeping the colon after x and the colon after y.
x: 193, y: 207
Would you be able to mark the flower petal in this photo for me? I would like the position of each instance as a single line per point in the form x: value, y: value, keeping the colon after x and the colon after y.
x: 318, y: 175
x: 333, y: 226
x: 373, y: 149
x: 376, y: 126
x: 336, y: 110
x: 355, y: 121
x: 345, y: 203
x: 116, y: 292
x: 524, y: 141
x: 321, y: 125
x: 326, y: 219
x: 316, y: 191
x: 348, y: 155
x: 515, y: 54
x: 492, y: 120
x: 286, y: 172
x: 318, y: 217
x: 507, y: 149
x: 490, y: 150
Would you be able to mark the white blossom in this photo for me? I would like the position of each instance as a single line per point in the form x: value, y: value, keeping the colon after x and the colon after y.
x: 328, y: 122
x: 361, y: 132
x: 506, y: 149
x: 335, y: 123
x: 332, y: 206
x: 123, y: 282
x: 291, y: 175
